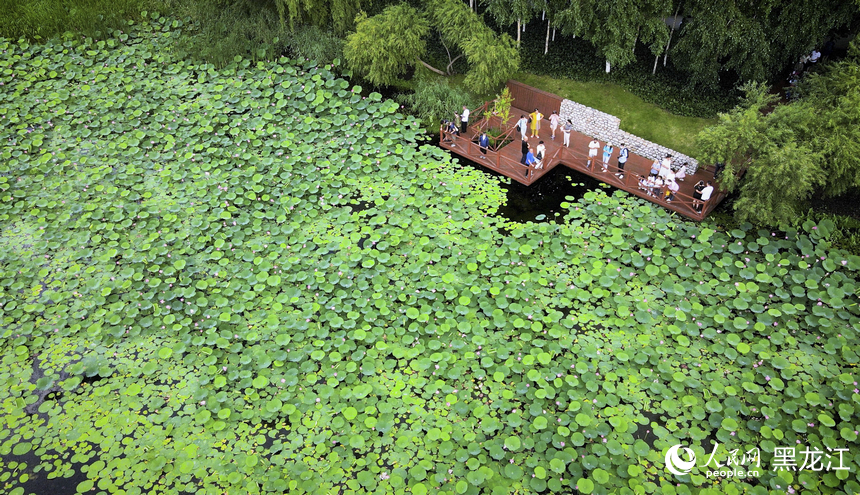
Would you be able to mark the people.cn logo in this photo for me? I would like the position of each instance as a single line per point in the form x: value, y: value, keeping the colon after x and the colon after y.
x: 675, y: 464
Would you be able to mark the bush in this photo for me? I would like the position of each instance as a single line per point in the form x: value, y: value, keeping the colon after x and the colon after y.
x: 434, y: 100
x: 313, y: 43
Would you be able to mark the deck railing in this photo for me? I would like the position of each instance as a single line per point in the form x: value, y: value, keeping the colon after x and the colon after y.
x: 493, y: 158
x: 632, y: 182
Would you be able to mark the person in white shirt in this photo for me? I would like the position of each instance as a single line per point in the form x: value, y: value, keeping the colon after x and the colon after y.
x: 523, y: 125
x: 665, y: 166
x: 540, y: 154
x: 553, y: 123
x: 813, y: 59
x: 464, y: 120
x: 672, y: 188
x: 707, y: 191
x: 593, y: 146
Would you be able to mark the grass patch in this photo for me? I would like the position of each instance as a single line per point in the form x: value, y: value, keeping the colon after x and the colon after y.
x: 637, y: 116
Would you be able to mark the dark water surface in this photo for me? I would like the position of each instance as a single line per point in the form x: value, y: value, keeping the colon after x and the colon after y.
x: 544, y: 197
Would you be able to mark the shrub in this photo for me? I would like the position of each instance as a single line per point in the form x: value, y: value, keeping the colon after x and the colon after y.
x: 434, y: 100
x: 314, y: 43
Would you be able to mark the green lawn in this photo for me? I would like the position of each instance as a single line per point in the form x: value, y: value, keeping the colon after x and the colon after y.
x: 638, y: 117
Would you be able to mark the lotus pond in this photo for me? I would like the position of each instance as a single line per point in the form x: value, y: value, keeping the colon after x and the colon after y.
x: 257, y: 280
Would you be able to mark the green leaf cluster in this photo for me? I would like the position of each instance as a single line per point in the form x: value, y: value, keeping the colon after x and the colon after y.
x: 385, y: 45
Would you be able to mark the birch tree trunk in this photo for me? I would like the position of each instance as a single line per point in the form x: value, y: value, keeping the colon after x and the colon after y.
x: 546, y: 46
x: 518, y: 32
x: 668, y: 43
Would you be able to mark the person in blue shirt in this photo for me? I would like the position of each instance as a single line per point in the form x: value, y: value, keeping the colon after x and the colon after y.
x: 531, y: 161
x: 607, y: 152
x: 483, y: 143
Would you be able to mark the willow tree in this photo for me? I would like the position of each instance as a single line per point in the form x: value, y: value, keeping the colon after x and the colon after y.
x: 776, y: 161
x: 339, y: 14
x: 616, y: 27
x: 509, y: 12
x: 385, y: 46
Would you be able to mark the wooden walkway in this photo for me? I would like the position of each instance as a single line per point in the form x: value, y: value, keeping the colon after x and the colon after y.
x: 505, y: 157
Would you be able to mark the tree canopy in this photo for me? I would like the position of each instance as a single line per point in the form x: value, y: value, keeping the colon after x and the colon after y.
x: 616, y: 27
x: 384, y: 46
x: 795, y: 150
x: 755, y: 39
x: 339, y: 13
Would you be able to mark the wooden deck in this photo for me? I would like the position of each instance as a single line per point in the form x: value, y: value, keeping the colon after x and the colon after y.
x: 505, y: 159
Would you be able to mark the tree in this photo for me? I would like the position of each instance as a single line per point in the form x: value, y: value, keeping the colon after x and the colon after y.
x: 385, y: 45
x: 756, y: 39
x: 766, y: 160
x: 339, y: 14
x: 507, y: 12
x: 812, y: 145
x: 615, y: 27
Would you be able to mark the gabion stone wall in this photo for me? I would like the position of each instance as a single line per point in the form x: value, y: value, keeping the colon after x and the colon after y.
x: 605, y: 127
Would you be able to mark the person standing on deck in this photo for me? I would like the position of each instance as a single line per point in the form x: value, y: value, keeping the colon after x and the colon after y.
x: 525, y: 149
x: 593, y: 146
x: 536, y: 117
x: 697, y: 195
x: 522, y: 124
x: 622, y: 160
x: 540, y: 154
x: 464, y: 120
x: 607, y: 153
x: 566, y: 130
x: 553, y: 123
x: 706, y: 195
x: 483, y: 143
x: 671, y: 189
x: 665, y: 166
x: 531, y: 161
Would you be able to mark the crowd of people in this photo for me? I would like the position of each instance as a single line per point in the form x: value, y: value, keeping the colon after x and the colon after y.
x: 661, y: 182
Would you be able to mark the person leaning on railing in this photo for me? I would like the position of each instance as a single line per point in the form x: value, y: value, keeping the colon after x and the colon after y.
x: 706, y: 194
